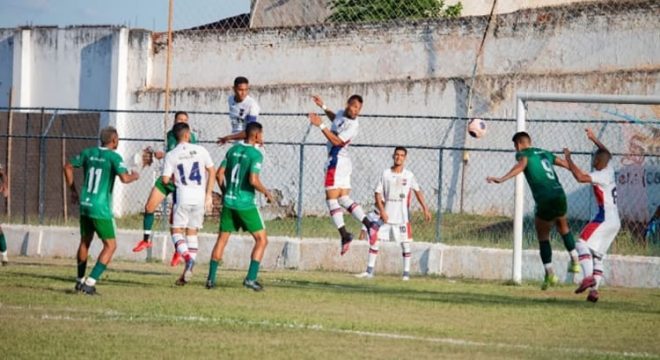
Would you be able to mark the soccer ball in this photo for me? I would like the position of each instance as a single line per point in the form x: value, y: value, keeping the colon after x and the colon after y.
x: 477, y: 128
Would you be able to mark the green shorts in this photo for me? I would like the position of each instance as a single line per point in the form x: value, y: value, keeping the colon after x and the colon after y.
x: 551, y: 209
x: 164, y: 189
x: 232, y: 220
x: 104, y: 228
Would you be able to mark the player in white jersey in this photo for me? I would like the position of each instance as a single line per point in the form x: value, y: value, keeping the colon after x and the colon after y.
x: 393, y: 197
x: 243, y: 109
x: 338, y: 167
x: 599, y: 233
x: 191, y: 168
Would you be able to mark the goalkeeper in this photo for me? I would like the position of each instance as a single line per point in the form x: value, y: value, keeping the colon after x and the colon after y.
x: 160, y: 191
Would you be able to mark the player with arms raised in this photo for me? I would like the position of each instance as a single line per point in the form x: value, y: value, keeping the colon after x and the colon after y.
x: 239, y: 173
x: 100, y: 166
x: 393, y: 197
x: 537, y: 164
x: 599, y: 233
x: 190, y: 167
x: 339, y: 167
x: 243, y: 109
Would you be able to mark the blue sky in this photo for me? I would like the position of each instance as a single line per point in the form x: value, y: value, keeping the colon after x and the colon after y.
x: 147, y: 14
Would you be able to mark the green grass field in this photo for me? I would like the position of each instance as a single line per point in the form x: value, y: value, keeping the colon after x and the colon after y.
x: 312, y: 315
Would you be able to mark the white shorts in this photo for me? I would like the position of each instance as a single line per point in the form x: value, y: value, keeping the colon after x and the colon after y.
x: 395, y: 232
x: 338, y: 173
x: 599, y: 235
x: 188, y: 216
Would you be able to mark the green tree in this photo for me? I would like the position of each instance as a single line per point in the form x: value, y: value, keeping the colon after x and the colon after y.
x: 379, y: 10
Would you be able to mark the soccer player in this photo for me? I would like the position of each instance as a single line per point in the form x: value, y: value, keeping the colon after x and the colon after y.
x: 239, y: 173
x: 393, y: 196
x: 100, y: 166
x: 3, y: 242
x: 537, y: 164
x: 243, y: 109
x: 339, y: 167
x: 599, y: 233
x: 190, y: 167
x: 160, y: 191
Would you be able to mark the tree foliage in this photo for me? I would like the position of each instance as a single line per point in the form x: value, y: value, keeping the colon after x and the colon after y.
x: 379, y: 10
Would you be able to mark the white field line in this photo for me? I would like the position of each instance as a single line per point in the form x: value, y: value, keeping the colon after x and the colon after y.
x: 112, y: 315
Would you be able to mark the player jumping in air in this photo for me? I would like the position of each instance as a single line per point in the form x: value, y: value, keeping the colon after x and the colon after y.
x: 4, y: 190
x: 160, y: 191
x: 338, y: 168
x: 599, y: 233
x: 243, y: 109
x: 537, y: 164
x: 100, y: 166
x: 393, y: 197
x: 239, y: 173
x: 190, y: 167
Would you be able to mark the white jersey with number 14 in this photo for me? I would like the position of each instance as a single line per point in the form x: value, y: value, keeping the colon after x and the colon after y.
x: 187, y: 163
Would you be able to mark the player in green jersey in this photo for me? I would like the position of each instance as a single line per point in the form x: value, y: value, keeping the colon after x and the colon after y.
x: 239, y: 172
x: 538, y: 167
x: 160, y: 191
x: 100, y: 165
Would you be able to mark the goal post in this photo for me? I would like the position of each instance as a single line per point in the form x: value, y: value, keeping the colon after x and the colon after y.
x: 522, y: 101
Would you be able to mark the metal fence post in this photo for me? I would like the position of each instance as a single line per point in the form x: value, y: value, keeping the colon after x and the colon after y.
x: 42, y: 167
x: 301, y: 167
x: 438, y: 217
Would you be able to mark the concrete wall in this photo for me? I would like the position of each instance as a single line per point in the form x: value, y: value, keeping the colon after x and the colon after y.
x: 322, y: 254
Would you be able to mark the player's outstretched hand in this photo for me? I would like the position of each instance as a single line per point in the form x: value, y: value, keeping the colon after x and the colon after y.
x: 222, y: 140
x: 314, y: 119
x: 590, y: 134
x: 493, y: 180
x: 317, y: 100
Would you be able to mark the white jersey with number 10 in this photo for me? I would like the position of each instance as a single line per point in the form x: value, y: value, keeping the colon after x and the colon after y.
x: 396, y: 189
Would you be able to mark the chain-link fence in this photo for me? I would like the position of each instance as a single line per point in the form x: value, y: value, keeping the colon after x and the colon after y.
x: 35, y: 143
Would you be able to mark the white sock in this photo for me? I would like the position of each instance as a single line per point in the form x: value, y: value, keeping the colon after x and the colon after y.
x: 180, y: 245
x: 193, y: 245
x: 90, y: 281
x: 586, y: 260
x: 548, y: 269
x: 598, y: 270
x: 352, y: 207
x: 405, y: 246
x: 336, y: 212
x: 574, y: 254
x: 371, y: 261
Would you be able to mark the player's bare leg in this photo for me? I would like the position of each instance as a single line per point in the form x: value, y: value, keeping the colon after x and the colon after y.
x: 155, y: 198
x: 109, y: 247
x: 216, y: 258
x: 260, y: 243
x: 543, y: 235
x: 83, y: 253
x: 569, y: 243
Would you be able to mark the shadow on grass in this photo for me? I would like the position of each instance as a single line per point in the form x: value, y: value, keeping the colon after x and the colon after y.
x: 71, y: 280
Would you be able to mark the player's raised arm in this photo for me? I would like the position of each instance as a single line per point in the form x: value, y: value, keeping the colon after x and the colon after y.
x: 316, y: 120
x: 515, y: 170
x: 578, y: 174
x: 319, y: 102
x: 594, y: 139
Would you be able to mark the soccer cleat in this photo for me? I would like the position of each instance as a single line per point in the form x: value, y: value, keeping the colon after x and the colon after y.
x: 252, y: 284
x: 142, y: 245
x: 88, y: 290
x: 188, y: 271
x: 593, y: 296
x: 210, y: 284
x: 574, y: 267
x: 176, y: 259
x: 550, y: 280
x: 79, y: 285
x: 372, y: 231
x: 587, y: 282
x: 346, y: 243
x: 365, y: 275
x: 406, y: 276
x: 180, y: 281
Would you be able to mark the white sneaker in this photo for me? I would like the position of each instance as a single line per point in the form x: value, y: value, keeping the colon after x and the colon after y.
x: 364, y: 275
x: 405, y: 278
x: 5, y: 259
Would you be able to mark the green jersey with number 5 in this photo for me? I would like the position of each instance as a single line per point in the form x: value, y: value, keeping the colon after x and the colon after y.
x: 540, y: 174
x: 100, y: 166
x: 241, y: 161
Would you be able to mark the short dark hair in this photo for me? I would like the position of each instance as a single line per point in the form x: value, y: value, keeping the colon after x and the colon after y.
x: 603, y: 154
x: 179, y: 129
x: 251, y: 128
x: 176, y: 114
x: 519, y: 136
x: 355, y: 97
x: 240, y: 80
x: 107, y: 134
x: 401, y: 148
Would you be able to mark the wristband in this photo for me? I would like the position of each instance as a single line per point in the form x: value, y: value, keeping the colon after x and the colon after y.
x: 325, y: 108
x: 322, y: 126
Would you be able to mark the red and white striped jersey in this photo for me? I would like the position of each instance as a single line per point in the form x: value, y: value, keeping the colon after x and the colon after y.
x: 396, y: 189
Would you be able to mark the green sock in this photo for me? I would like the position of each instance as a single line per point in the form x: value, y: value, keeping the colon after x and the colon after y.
x: 3, y: 243
x: 213, y: 270
x: 546, y: 251
x: 569, y: 241
x: 253, y: 271
x: 82, y: 267
x: 98, y: 270
x: 147, y: 225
